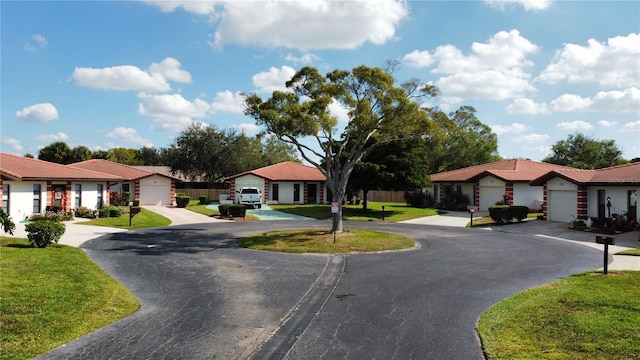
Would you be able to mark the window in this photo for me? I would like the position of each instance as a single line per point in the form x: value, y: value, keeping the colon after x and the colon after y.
x: 100, y: 202
x: 459, y: 189
x: 78, y: 196
x: 37, y: 198
x: 275, y: 192
x: 5, y: 197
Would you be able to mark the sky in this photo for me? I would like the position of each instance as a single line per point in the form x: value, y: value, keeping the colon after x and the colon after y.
x: 133, y: 74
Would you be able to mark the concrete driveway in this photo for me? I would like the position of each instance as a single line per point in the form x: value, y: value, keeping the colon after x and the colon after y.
x: 266, y: 213
x: 203, y: 297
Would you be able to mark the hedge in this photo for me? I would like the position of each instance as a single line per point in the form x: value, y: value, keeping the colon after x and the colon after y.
x: 182, y: 201
x: 502, y: 214
x: 235, y: 210
x: 204, y: 200
x: 44, y: 232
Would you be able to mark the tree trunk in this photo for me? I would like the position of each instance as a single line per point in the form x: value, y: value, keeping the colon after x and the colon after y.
x: 365, y: 192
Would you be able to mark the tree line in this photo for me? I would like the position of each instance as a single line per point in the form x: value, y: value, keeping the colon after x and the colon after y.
x: 200, y: 151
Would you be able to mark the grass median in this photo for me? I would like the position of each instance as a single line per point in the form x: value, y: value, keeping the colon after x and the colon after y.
x: 321, y: 241
x: 393, y: 211
x: 51, y: 296
x: 585, y: 316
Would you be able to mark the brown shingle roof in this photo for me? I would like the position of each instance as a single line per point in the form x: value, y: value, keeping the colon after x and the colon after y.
x: 23, y: 168
x: 286, y: 171
x: 515, y: 170
x: 619, y: 175
x: 126, y: 172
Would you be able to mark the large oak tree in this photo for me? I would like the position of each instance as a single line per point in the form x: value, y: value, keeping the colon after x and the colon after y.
x: 378, y: 112
x: 582, y: 152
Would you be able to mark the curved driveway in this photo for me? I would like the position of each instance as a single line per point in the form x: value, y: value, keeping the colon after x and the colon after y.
x: 204, y: 298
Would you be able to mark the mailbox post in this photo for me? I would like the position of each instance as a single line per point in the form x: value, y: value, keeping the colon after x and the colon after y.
x: 382, y: 212
x: 606, y: 240
x: 133, y: 210
x: 471, y: 211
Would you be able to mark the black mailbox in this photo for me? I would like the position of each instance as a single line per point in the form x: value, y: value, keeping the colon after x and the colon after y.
x: 607, y: 240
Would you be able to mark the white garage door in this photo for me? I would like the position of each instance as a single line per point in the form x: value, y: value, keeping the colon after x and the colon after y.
x: 489, y: 195
x: 250, y: 181
x: 155, y: 195
x: 562, y: 205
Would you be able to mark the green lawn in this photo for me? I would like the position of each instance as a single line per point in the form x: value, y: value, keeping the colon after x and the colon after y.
x: 322, y: 241
x: 585, y: 316
x: 393, y: 212
x: 632, y: 252
x: 144, y: 219
x: 51, y: 296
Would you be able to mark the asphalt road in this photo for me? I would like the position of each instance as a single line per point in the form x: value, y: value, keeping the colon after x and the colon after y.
x: 204, y: 298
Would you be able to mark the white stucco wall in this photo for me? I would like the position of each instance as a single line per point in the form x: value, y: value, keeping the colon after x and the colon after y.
x: 619, y: 199
x: 526, y: 195
x: 21, y: 198
x: 249, y: 180
x: 89, y: 194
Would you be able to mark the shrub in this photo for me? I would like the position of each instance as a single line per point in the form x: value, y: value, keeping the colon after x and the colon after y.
x: 502, y: 214
x: 455, y: 201
x: 224, y: 209
x: 499, y: 213
x: 83, y: 212
x: 51, y: 208
x: 117, y: 198
x: 204, y: 200
x: 519, y: 212
x: 44, y: 232
x: 52, y: 216
x: 110, y: 211
x: 237, y: 210
x: 419, y: 199
x: 182, y: 201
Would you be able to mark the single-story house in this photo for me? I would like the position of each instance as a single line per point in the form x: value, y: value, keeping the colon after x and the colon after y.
x: 284, y: 183
x: 151, y: 188
x: 487, y: 184
x: 30, y: 185
x: 580, y: 194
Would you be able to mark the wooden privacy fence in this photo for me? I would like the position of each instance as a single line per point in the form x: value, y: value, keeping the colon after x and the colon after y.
x: 194, y: 194
x: 387, y: 196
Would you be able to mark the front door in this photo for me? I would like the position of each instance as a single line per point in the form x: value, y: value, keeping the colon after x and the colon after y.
x: 59, y: 195
x: 296, y: 193
x: 632, y: 211
x: 602, y: 204
x: 312, y: 193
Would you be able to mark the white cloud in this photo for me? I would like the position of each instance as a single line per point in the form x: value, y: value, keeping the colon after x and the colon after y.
x: 618, y: 101
x: 418, y: 59
x: 570, y: 102
x: 577, y: 125
x: 494, y: 70
x: 59, y: 136
x: 514, y: 128
x: 532, y: 138
x: 339, y: 112
x: 527, y: 106
x: 12, y: 143
x: 607, y: 124
x: 306, y: 58
x: 40, y: 41
x: 614, y: 63
x: 273, y: 80
x: 41, y: 112
x: 200, y: 7
x: 132, y: 78
x: 226, y: 101
x: 631, y: 126
x: 320, y: 24
x: 526, y: 4
x: 605, y: 101
x: 129, y: 135
x: 172, y: 111
x: 247, y: 128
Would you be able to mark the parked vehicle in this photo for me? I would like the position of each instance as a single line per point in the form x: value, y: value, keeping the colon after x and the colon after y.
x: 249, y: 196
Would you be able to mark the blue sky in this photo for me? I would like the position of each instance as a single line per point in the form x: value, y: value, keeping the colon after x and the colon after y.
x: 130, y: 74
